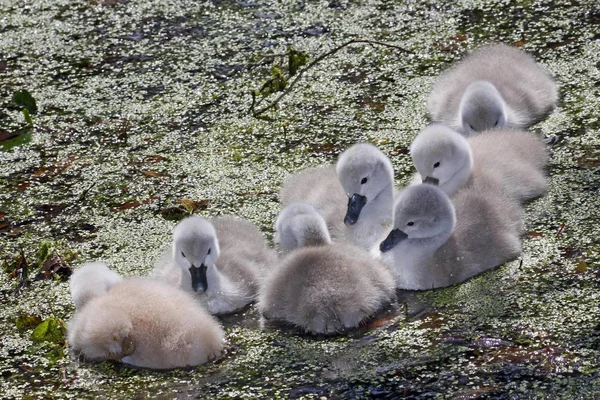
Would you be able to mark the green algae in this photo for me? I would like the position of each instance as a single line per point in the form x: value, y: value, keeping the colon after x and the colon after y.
x: 143, y: 105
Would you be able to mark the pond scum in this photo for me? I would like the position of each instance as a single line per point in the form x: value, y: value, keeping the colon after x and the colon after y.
x: 142, y: 115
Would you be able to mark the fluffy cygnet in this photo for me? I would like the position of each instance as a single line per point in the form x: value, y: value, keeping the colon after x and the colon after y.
x: 355, y: 198
x: 435, y: 243
x: 91, y: 280
x: 223, y: 261
x: 145, y: 323
x: 325, y: 287
x: 510, y: 159
x: 495, y: 85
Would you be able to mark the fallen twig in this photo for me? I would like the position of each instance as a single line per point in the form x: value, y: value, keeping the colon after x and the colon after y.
x: 561, y: 229
x: 289, y: 88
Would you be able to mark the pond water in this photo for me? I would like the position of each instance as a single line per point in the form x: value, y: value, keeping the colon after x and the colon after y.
x: 144, y: 113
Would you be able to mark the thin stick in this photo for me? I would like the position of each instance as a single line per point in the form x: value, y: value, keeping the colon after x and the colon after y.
x: 315, y: 62
x: 561, y: 229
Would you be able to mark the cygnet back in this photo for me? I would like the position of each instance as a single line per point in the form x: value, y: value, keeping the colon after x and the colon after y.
x: 326, y: 289
x: 321, y: 188
x: 245, y: 256
x: 515, y: 160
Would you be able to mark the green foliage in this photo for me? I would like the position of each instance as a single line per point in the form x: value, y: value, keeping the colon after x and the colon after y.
x: 43, y: 252
x: 24, y: 99
x: 277, y: 83
x: 55, y: 353
x: 27, y: 117
x: 22, y: 138
x: 296, y: 59
x: 51, y: 330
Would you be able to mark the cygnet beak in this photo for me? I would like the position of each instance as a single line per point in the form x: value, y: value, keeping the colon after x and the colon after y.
x: 355, y: 205
x: 395, y: 237
x: 199, y: 280
x: 431, y: 181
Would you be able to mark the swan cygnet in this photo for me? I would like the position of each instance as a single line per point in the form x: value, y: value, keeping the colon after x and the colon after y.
x: 435, y: 243
x: 91, y: 280
x: 495, y: 85
x: 222, y: 260
x: 145, y: 323
x: 324, y: 287
x: 512, y: 160
x: 355, y: 199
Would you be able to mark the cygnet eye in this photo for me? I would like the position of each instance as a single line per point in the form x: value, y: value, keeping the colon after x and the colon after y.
x: 437, y: 164
x: 410, y: 223
x: 496, y: 124
x: 471, y: 126
x: 208, y: 252
x: 363, y: 181
x: 183, y: 254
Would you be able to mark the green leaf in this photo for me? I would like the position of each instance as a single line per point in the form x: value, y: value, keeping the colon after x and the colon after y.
x: 43, y: 253
x: 296, y: 59
x: 27, y: 117
x: 277, y: 83
x: 51, y: 330
x: 24, y: 99
x: 55, y: 354
x: 22, y: 138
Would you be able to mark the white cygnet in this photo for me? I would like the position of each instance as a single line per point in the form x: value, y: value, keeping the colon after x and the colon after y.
x: 223, y: 261
x: 145, y: 323
x: 355, y: 199
x: 512, y: 160
x: 495, y: 85
x: 91, y: 280
x: 435, y: 243
x: 325, y: 287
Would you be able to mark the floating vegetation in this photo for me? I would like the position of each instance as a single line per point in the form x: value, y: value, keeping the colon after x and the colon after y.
x: 144, y: 118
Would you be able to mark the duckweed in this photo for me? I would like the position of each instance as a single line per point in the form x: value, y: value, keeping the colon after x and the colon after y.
x: 144, y: 106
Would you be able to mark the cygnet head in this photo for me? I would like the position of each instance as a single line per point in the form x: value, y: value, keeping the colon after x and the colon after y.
x: 439, y: 152
x: 91, y: 280
x: 195, y: 249
x: 364, y: 172
x: 300, y: 225
x: 421, y: 212
x: 481, y: 107
x: 102, y: 333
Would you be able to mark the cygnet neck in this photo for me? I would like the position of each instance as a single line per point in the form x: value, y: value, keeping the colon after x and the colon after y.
x: 461, y: 177
x: 417, y: 249
x: 380, y: 209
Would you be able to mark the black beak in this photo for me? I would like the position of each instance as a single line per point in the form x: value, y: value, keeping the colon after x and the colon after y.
x: 432, y: 181
x: 395, y: 237
x: 199, y: 281
x: 355, y: 205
